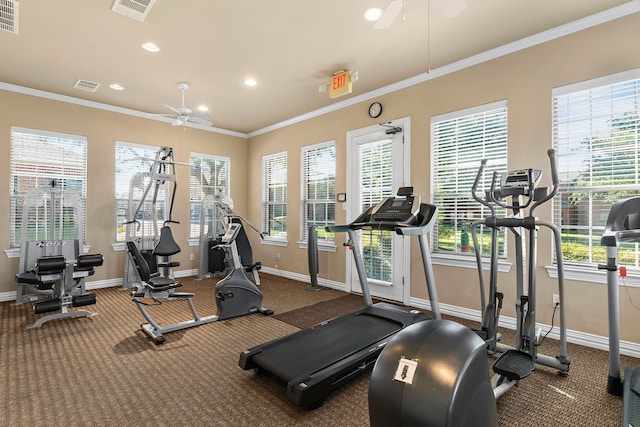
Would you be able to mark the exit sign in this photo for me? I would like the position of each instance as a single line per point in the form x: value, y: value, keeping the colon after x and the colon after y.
x: 340, y: 84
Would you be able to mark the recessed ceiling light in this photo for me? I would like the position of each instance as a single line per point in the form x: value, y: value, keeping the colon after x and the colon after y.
x: 250, y: 82
x: 372, y: 14
x: 116, y: 86
x: 203, y: 108
x: 151, y: 47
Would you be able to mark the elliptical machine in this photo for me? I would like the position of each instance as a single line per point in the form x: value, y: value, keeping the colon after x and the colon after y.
x: 434, y: 373
x: 517, y: 192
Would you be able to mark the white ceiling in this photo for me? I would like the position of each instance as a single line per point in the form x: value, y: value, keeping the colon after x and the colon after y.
x: 290, y: 47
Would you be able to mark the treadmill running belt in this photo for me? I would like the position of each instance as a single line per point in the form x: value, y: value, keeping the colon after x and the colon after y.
x: 315, y: 349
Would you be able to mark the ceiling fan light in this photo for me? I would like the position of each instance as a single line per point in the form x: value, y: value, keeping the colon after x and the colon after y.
x: 150, y: 47
x: 373, y: 14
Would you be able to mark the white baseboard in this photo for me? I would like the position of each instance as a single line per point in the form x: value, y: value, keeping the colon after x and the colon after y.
x: 577, y: 337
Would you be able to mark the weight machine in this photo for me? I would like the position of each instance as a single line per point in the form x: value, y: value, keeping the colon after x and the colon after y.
x: 150, y: 204
x: 52, y: 269
x: 216, y: 215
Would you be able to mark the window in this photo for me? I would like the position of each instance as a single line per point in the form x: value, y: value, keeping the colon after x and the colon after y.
x: 38, y: 159
x: 459, y: 141
x: 274, y: 172
x: 134, y: 160
x: 596, y: 134
x: 209, y: 175
x: 318, y: 191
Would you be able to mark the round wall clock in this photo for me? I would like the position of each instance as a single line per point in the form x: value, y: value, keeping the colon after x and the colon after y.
x: 375, y: 110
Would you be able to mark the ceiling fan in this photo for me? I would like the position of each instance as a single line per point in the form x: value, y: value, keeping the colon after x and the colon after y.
x: 449, y: 8
x: 181, y: 115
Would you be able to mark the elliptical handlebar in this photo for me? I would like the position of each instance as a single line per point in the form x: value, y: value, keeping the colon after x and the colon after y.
x: 555, y: 181
x: 474, y: 187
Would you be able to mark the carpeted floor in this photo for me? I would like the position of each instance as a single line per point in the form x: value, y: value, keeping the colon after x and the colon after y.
x: 104, y: 371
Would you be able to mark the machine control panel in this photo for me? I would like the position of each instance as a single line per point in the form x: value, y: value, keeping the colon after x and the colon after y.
x: 231, y: 232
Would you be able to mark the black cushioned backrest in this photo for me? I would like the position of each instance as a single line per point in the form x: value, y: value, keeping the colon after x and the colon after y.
x: 166, y: 245
x: 141, y: 264
x: 242, y: 243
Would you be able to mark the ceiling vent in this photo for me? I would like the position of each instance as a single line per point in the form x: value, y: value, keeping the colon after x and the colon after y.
x: 9, y: 16
x: 134, y: 9
x: 86, y: 85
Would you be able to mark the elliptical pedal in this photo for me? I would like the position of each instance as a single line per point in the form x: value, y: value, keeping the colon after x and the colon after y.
x: 514, y: 365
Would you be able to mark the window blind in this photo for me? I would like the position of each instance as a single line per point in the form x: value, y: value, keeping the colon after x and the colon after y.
x: 133, y: 160
x: 275, y: 195
x: 39, y: 159
x: 209, y: 175
x: 596, y: 134
x: 318, y: 190
x: 459, y: 141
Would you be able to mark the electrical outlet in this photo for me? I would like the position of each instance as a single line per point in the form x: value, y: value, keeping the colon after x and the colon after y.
x: 556, y: 300
x: 192, y: 256
x: 278, y: 256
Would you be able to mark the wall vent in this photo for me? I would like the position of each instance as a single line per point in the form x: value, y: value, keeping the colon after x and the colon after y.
x: 86, y: 85
x: 9, y: 16
x: 134, y: 9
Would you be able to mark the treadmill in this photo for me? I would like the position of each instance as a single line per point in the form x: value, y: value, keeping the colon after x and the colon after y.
x: 623, y: 225
x: 315, y: 361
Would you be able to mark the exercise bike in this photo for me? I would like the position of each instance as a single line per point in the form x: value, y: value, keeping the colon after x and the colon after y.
x: 434, y: 373
x: 236, y: 295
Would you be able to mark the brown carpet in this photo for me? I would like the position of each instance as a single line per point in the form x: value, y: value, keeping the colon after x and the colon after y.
x: 104, y: 371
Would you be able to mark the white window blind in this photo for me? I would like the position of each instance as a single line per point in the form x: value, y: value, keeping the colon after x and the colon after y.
x: 459, y: 141
x: 318, y: 190
x: 596, y: 134
x: 375, y: 171
x: 132, y: 159
x: 209, y: 175
x: 274, y: 169
x: 41, y: 159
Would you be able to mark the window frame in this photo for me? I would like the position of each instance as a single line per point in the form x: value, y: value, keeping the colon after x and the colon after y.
x: 323, y: 243
x: 581, y: 101
x: 455, y: 120
x: 196, y: 192
x: 268, y: 163
x: 146, y: 152
x: 16, y: 196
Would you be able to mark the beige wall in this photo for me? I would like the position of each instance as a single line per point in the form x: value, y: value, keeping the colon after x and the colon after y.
x: 103, y: 129
x: 525, y: 79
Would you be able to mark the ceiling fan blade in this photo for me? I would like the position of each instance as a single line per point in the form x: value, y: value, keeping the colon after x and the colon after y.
x: 200, y: 121
x: 389, y: 15
x: 177, y: 122
x: 174, y: 109
x: 450, y: 8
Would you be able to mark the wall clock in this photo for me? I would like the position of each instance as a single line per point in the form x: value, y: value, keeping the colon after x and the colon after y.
x: 375, y: 110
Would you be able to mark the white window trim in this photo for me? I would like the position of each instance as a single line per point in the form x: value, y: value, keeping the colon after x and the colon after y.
x: 267, y: 239
x: 457, y: 259
x: 323, y: 245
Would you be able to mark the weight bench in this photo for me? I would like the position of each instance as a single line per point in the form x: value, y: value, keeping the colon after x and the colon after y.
x: 58, y: 284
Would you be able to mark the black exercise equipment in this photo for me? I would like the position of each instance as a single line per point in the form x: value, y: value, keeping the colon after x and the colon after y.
x: 449, y: 388
x: 623, y: 225
x: 317, y: 360
x: 52, y: 271
x: 435, y: 373
x: 235, y: 294
x: 216, y: 213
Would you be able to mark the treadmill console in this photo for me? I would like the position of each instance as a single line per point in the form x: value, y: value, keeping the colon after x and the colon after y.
x: 399, y: 210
